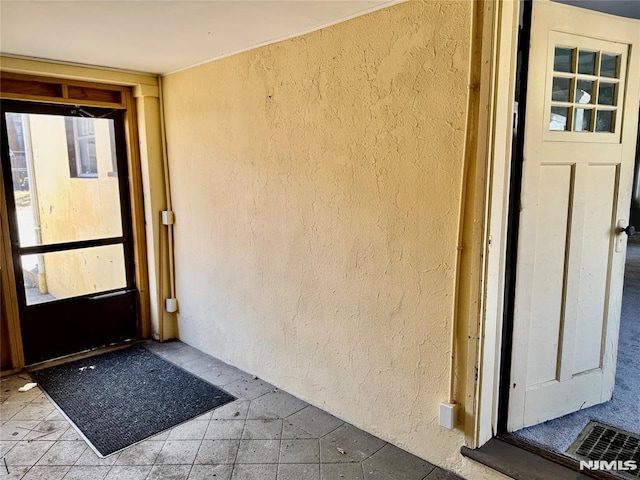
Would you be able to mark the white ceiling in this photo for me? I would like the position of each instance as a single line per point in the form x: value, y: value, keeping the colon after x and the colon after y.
x: 160, y: 36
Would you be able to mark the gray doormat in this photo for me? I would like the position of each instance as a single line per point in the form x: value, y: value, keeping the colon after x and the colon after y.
x: 603, y: 443
x: 119, y: 398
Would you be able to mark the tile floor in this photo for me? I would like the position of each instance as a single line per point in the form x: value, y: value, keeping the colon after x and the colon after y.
x: 265, y: 434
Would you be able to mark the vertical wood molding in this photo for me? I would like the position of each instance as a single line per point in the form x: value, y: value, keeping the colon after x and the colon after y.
x: 137, y: 216
x: 9, y: 292
x: 485, y: 266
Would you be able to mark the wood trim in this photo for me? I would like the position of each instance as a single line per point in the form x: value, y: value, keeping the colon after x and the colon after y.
x: 75, y: 72
x: 8, y: 373
x: 17, y: 86
x: 83, y: 355
x: 473, y: 216
x: 522, y: 464
x: 137, y: 216
x: 9, y: 291
x: 67, y: 97
x: 499, y: 137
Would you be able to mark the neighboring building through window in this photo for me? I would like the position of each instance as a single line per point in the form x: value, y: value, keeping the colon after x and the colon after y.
x: 81, y: 145
x: 15, y: 133
x: 114, y: 157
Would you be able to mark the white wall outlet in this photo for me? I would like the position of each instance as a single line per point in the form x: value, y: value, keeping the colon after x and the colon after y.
x: 448, y: 414
x: 171, y: 305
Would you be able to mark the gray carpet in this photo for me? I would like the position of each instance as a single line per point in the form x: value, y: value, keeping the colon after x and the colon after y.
x: 623, y: 411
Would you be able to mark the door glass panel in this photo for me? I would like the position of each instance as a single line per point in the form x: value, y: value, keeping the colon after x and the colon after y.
x: 561, y: 89
x: 609, y: 66
x: 584, y: 91
x: 587, y: 62
x: 559, y: 116
x: 581, y: 120
x: 604, y: 121
x: 71, y: 273
x: 563, y: 60
x: 606, y: 93
x: 65, y: 178
x: 589, y: 77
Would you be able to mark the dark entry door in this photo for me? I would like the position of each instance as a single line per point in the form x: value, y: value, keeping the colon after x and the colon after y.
x: 67, y: 194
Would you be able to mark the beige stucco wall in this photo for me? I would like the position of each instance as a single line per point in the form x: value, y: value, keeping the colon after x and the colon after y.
x: 316, y: 184
x: 72, y: 209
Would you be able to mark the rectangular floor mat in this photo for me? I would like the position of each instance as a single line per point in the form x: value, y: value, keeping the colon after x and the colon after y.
x: 120, y: 398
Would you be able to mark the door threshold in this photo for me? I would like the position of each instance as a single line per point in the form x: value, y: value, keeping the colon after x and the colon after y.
x: 81, y: 355
x: 525, y: 461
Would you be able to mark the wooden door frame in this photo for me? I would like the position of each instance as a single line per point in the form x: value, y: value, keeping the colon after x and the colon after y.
x: 78, y: 92
x: 500, y: 243
x: 498, y: 78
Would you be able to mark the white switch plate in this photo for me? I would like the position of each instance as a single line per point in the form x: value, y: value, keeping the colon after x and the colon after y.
x: 448, y: 412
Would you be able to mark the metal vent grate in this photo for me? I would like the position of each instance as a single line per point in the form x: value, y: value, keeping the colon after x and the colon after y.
x: 601, y: 442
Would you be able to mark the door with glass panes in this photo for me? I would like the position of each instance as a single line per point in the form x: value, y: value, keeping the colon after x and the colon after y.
x: 67, y: 195
x: 580, y: 140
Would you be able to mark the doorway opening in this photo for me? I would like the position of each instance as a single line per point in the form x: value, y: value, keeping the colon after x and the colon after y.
x: 581, y: 198
x: 70, y: 226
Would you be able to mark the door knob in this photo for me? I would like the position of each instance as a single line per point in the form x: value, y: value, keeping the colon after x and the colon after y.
x: 629, y: 230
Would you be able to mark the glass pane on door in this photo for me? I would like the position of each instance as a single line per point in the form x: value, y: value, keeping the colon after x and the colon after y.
x: 72, y: 273
x: 65, y: 178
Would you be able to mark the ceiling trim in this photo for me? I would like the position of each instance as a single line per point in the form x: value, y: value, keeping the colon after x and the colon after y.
x: 74, y: 71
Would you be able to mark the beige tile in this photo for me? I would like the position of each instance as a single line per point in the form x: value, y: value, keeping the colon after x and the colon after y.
x: 15, y: 472
x: 341, y: 471
x: 315, y: 421
x: 279, y: 403
x: 143, y: 453
x: 300, y: 451
x: 249, y: 388
x: 46, y: 473
x: 71, y: 435
x: 128, y: 473
x: 8, y: 410
x: 16, y: 430
x: 348, y: 444
x: 258, y: 451
x: 292, y: 431
x: 87, y: 473
x: 169, y: 472
x: 231, y: 411
x: 299, y: 472
x: 211, y: 472
x: 34, y: 411
x: 48, y: 430
x: 63, y: 453
x: 89, y: 458
x: 224, y: 430
x: 28, y: 453
x: 5, y: 446
x: 192, y: 430
x: 214, y: 452
x: 395, y: 464
x: 262, y: 430
x: 255, y: 472
x: 176, y: 452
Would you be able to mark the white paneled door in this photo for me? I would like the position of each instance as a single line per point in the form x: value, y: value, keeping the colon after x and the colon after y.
x: 580, y: 140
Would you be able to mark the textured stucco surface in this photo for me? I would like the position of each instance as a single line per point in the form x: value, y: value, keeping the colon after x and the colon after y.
x: 316, y: 184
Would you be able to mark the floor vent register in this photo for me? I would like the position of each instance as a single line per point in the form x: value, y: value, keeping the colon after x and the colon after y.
x: 605, y: 448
